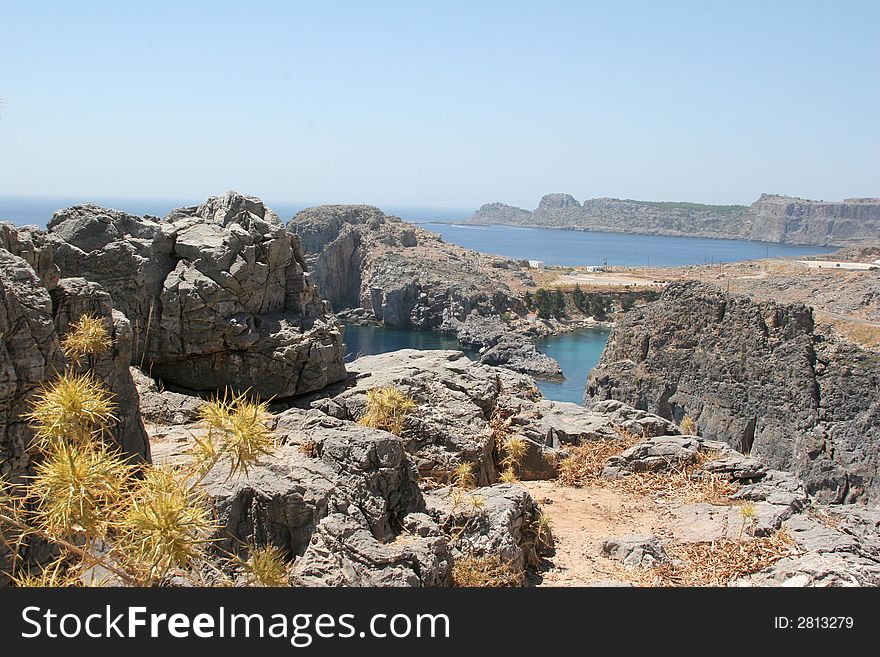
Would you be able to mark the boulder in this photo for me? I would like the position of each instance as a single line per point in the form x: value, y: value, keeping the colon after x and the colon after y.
x: 503, y: 523
x: 218, y: 294
x: 635, y: 550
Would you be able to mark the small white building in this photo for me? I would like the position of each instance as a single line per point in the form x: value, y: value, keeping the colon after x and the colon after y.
x: 594, y: 268
x: 536, y: 264
x: 833, y: 264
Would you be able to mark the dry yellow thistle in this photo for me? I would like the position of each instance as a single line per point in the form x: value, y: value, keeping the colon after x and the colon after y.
x: 87, y: 336
x: 73, y: 407
x: 387, y: 409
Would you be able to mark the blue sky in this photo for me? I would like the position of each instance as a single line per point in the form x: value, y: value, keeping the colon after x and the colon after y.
x: 447, y: 104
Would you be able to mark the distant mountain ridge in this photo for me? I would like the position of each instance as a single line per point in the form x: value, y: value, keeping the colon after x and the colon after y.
x: 772, y: 218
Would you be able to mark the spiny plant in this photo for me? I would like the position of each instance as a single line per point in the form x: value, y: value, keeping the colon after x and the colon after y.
x: 166, y: 525
x: 87, y: 336
x: 688, y: 426
x: 266, y: 566
x: 141, y: 524
x: 74, y: 487
x: 508, y: 476
x: 749, y: 513
x: 73, y: 407
x: 515, y: 449
x: 463, y: 476
x: 237, y: 430
x: 387, y: 409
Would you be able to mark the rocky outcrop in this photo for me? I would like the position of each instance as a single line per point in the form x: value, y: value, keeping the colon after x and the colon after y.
x: 402, y: 276
x: 505, y: 523
x: 466, y: 410
x: 218, y: 294
x: 621, y: 216
x: 772, y: 218
x: 786, y: 219
x: 756, y: 375
x: 499, y: 213
x: 29, y: 356
x: 32, y: 321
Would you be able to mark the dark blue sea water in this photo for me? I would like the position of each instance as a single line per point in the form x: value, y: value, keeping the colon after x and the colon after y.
x: 574, y: 247
x: 577, y: 353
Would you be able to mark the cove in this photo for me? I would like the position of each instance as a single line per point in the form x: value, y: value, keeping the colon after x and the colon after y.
x: 577, y: 353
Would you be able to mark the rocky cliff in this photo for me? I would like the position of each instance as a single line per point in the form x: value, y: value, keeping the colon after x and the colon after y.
x: 33, y: 319
x: 218, y: 295
x: 757, y: 375
x: 774, y: 218
x: 406, y: 277
x: 771, y: 218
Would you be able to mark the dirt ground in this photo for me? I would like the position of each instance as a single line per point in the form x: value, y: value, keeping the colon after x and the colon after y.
x: 581, y: 518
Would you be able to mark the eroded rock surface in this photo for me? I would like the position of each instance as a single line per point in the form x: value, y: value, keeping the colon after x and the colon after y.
x: 756, y: 375
x: 218, y: 294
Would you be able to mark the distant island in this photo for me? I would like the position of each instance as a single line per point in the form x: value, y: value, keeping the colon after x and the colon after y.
x: 772, y: 218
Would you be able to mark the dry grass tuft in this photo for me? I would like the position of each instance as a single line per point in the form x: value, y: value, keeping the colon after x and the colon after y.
x: 588, y: 459
x: 88, y: 336
x: 484, y: 572
x: 679, y: 486
x: 387, y: 409
x: 714, y: 564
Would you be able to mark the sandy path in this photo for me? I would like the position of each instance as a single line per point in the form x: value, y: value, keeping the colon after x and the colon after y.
x: 581, y: 518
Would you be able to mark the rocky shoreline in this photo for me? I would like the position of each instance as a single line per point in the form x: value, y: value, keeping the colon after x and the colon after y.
x: 222, y: 297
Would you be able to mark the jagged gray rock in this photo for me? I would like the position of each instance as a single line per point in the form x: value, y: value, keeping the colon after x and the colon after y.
x: 658, y: 454
x: 32, y: 320
x: 505, y: 523
x: 756, y: 375
x: 635, y: 550
x: 164, y: 406
x: 406, y: 277
x: 218, y: 294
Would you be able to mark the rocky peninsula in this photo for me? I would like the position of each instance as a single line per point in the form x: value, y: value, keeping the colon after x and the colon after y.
x: 772, y: 218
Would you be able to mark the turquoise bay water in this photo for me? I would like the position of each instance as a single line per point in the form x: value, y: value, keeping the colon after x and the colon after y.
x: 575, y: 247
x: 577, y: 353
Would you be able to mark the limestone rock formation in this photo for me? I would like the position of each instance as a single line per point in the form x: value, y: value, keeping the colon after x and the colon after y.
x: 772, y: 218
x: 218, y: 294
x: 785, y: 219
x: 32, y: 320
x: 406, y: 277
x: 29, y: 356
x: 465, y: 410
x: 505, y: 525
x: 757, y: 375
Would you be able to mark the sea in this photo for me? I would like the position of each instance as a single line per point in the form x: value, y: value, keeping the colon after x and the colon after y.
x: 577, y: 353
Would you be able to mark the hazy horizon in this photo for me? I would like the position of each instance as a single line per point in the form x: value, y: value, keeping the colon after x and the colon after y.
x: 445, y: 106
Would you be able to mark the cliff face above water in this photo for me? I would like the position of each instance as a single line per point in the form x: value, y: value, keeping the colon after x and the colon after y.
x: 785, y: 219
x: 756, y: 375
x: 406, y: 277
x: 771, y: 218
